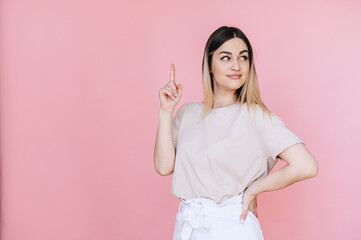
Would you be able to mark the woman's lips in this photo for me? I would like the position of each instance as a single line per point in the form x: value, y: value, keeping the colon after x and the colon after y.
x: 234, y: 76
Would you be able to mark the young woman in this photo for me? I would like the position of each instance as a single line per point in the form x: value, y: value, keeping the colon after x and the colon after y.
x: 222, y: 149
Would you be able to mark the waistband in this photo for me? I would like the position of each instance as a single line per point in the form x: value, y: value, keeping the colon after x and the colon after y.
x: 210, y: 206
x: 192, y: 213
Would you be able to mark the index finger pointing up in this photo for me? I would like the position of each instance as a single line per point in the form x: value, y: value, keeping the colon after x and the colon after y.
x: 172, y: 75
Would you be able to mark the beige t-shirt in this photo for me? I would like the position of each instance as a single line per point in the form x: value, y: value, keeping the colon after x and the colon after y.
x: 219, y: 156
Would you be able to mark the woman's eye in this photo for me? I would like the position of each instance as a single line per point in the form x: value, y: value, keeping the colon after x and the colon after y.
x: 245, y: 57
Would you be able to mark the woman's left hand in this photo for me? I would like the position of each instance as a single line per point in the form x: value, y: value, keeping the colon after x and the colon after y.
x: 249, y: 202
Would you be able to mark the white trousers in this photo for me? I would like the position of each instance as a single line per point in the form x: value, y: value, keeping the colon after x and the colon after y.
x: 204, y: 219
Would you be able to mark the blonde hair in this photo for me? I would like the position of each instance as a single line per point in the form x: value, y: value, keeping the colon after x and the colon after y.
x: 249, y: 91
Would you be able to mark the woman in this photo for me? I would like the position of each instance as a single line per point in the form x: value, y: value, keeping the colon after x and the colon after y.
x: 222, y: 149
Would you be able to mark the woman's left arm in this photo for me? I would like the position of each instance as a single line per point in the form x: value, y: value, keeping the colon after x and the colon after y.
x: 301, y: 165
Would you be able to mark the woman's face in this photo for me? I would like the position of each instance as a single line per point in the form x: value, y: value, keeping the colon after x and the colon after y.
x: 229, y: 59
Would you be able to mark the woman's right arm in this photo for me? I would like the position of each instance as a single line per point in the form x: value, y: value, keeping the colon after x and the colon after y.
x: 164, y: 150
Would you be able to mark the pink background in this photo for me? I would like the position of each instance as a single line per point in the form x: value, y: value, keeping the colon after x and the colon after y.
x: 79, y: 112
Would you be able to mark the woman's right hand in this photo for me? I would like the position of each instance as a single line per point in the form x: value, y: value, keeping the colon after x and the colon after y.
x: 170, y: 93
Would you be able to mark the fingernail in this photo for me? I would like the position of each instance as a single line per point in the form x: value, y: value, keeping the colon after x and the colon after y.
x: 242, y: 220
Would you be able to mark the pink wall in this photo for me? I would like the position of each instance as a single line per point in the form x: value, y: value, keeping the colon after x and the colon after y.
x: 79, y: 111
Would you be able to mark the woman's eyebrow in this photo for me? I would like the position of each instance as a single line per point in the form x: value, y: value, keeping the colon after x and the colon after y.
x: 231, y: 53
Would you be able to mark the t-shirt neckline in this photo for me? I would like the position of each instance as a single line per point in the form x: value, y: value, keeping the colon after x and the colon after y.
x: 222, y: 108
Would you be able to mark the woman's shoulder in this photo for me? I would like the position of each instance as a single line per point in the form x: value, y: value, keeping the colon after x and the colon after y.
x: 260, y: 115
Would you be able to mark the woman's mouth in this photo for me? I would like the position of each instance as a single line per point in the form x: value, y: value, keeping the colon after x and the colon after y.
x: 235, y: 76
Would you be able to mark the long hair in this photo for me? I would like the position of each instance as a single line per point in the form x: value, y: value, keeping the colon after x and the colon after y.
x: 249, y: 91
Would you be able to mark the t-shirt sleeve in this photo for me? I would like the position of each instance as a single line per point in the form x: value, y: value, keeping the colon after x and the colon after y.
x: 176, y: 121
x: 274, y: 134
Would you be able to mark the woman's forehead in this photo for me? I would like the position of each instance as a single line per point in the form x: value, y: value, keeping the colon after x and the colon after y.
x: 233, y: 46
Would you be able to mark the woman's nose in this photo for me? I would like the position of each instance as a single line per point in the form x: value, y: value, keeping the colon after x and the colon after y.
x: 235, y: 65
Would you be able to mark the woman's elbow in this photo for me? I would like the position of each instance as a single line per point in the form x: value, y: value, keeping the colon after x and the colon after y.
x: 312, y: 169
x: 165, y: 173
x: 162, y: 170
x: 315, y: 170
